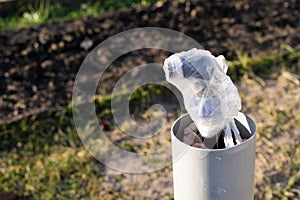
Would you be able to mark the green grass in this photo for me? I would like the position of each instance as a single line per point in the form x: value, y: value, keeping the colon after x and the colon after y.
x: 45, y: 12
x: 265, y: 65
x: 42, y: 157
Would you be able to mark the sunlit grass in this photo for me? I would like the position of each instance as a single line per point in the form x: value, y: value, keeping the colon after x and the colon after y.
x: 42, y: 156
x: 265, y: 65
x: 46, y: 12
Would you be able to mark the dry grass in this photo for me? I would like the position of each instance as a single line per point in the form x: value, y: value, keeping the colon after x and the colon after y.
x: 276, y: 109
x: 42, y: 157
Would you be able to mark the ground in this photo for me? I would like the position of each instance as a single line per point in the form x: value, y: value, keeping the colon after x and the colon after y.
x: 39, y: 65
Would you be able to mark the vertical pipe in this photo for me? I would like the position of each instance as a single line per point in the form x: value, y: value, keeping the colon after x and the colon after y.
x: 214, y: 174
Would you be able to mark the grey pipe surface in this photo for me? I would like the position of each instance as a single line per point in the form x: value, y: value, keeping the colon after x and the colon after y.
x: 214, y: 174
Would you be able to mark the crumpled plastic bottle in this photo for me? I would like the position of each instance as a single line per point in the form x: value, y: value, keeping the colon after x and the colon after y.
x: 210, y: 97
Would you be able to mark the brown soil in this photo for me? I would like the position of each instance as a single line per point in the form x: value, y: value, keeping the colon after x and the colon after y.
x: 39, y: 64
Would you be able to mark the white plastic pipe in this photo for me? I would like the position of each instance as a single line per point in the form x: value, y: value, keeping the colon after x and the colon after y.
x: 214, y: 174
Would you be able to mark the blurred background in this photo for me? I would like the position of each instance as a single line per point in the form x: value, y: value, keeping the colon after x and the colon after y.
x: 44, y: 42
x: 24, y: 13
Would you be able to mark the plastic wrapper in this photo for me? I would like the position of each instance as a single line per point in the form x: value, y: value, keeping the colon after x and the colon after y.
x: 210, y: 97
